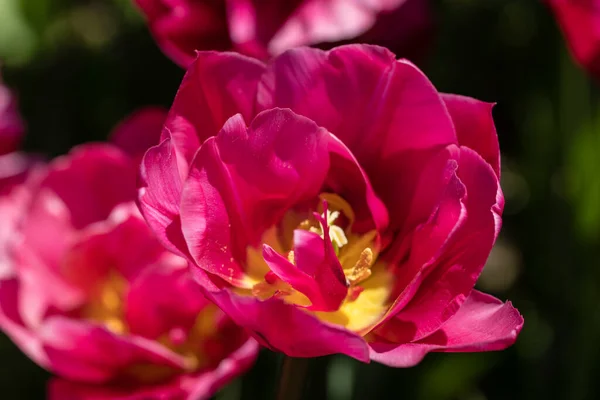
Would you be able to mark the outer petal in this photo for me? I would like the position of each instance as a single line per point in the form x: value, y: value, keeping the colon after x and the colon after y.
x: 335, y: 88
x: 242, y: 182
x: 253, y: 23
x: 182, y: 27
x: 100, y: 355
x: 406, y: 30
x: 483, y: 323
x: 14, y: 169
x: 580, y: 23
x: 287, y: 329
x: 199, y: 386
x: 12, y: 126
x: 101, y: 249
x: 347, y: 179
x: 91, y: 181
x: 139, y: 131
x: 13, y: 325
x: 415, y: 256
x: 456, y: 270
x: 475, y: 127
x: 215, y: 87
x: 159, y: 195
x: 150, y: 310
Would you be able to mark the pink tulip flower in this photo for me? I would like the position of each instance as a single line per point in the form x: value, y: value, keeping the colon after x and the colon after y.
x: 333, y: 202
x: 261, y: 28
x: 580, y: 23
x: 88, y: 293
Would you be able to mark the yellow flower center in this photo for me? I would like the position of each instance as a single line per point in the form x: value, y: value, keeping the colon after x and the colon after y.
x: 106, y: 307
x: 369, y: 281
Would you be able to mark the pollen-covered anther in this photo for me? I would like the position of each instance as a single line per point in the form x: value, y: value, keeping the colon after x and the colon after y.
x: 362, y: 268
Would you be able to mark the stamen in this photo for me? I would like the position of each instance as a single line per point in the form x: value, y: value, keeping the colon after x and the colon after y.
x: 291, y: 257
x: 362, y: 268
x: 336, y: 234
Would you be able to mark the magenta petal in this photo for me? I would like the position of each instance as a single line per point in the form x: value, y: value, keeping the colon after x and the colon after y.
x: 91, y: 181
x: 89, y: 353
x: 101, y: 250
x: 483, y: 323
x: 199, y: 386
x: 323, y: 21
x: 579, y: 21
x: 182, y: 27
x: 150, y: 309
x: 347, y: 179
x: 293, y: 331
x: 12, y: 324
x: 159, y: 195
x: 458, y: 267
x: 317, y: 273
x: 62, y: 389
x: 203, y: 104
x: 335, y: 88
x: 207, y: 219
x: 139, y: 131
x: 475, y: 127
x: 244, y: 180
x: 12, y: 126
x: 205, y: 385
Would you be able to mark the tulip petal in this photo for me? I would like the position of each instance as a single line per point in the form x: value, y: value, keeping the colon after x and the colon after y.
x: 12, y: 126
x: 149, y: 307
x: 160, y: 194
x: 317, y: 272
x: 182, y: 27
x: 215, y: 87
x: 334, y: 88
x: 86, y: 352
x: 139, y: 131
x: 244, y: 180
x: 91, y: 181
x: 483, y: 323
x: 348, y: 180
x: 475, y: 127
x: 579, y: 21
x: 288, y: 329
x: 199, y: 386
x: 100, y: 249
x: 456, y: 270
x: 12, y: 324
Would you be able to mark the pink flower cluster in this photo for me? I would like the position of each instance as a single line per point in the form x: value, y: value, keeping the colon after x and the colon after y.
x: 328, y: 201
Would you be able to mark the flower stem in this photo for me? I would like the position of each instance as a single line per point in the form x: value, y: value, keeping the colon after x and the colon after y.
x: 292, y: 381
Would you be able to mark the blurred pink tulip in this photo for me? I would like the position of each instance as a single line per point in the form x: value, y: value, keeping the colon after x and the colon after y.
x: 580, y: 23
x: 333, y: 202
x: 262, y: 28
x: 12, y: 127
x: 89, y: 294
x: 14, y: 165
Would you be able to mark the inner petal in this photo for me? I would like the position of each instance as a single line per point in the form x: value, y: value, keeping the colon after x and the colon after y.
x: 106, y: 307
x: 351, y: 288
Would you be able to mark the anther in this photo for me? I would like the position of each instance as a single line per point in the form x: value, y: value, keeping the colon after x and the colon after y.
x: 362, y: 268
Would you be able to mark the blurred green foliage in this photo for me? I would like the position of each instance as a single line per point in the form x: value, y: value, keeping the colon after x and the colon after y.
x: 79, y: 66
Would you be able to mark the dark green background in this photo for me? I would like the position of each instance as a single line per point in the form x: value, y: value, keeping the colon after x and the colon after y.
x: 80, y: 66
